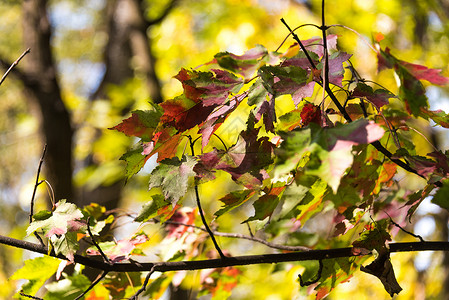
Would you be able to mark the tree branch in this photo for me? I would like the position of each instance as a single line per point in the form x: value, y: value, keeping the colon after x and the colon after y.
x: 221, y: 263
x: 163, y: 15
x: 13, y: 65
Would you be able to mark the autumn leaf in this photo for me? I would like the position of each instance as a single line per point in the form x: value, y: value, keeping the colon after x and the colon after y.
x: 157, y: 207
x: 61, y: 226
x: 233, y: 200
x: 245, y: 64
x: 265, y: 205
x: 327, y: 150
x: 172, y: 177
x: 422, y: 72
x: 411, y: 91
x: 382, y: 268
x: 141, y: 123
x: 245, y: 160
x: 118, y: 251
x: 438, y: 116
x: 378, y: 97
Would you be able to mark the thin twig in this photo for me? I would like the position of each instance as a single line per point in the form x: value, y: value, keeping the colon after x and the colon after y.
x: 246, y: 237
x: 37, y: 183
x: 14, y: 64
x: 144, y: 285
x: 93, y: 284
x: 103, y: 255
x: 29, y: 296
x: 198, y: 202
x: 406, y: 231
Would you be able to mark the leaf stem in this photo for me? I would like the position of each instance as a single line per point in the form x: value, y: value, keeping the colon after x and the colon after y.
x: 198, y: 202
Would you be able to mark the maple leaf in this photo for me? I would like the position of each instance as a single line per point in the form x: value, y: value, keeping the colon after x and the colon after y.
x: 328, y: 150
x: 422, y: 72
x: 336, y: 271
x: 283, y: 80
x: 181, y: 218
x: 245, y: 64
x: 234, y: 199
x: 440, y: 197
x: 378, y: 97
x: 438, y: 116
x: 121, y: 250
x: 157, y: 207
x: 336, y: 69
x: 310, y: 113
x: 141, y: 123
x: 217, y: 117
x: 244, y: 161
x: 203, y: 91
x: 303, y: 199
x: 117, y: 284
x: 382, y: 268
x: 411, y: 91
x: 172, y: 177
x: 219, y: 282
x: 265, y: 205
x: 375, y: 236
x: 61, y: 226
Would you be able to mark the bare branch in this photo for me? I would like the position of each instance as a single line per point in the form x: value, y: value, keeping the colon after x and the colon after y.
x: 163, y: 15
x: 13, y: 65
x: 221, y: 263
x: 37, y: 183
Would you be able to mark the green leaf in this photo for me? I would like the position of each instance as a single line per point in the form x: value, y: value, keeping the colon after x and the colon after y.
x: 336, y: 271
x: 233, y: 200
x: 374, y: 237
x: 64, y: 218
x: 68, y: 288
x: 134, y: 161
x: 441, y: 196
x: 157, y: 207
x: 37, y: 271
x: 265, y: 205
x: 172, y: 177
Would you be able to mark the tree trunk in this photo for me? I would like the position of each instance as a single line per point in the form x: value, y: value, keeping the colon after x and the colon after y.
x: 42, y: 89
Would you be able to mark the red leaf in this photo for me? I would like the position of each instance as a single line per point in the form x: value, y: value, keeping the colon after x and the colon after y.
x: 379, y: 97
x: 422, y: 72
x: 182, y: 217
x: 141, y: 124
x: 310, y: 113
x: 244, y: 161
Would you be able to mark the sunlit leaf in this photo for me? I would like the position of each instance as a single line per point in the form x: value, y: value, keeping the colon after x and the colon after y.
x: 172, y: 177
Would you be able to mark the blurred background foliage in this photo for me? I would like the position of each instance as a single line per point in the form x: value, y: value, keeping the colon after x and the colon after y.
x: 188, y: 34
